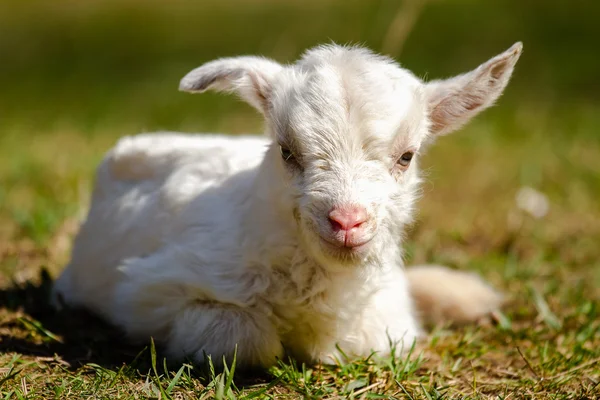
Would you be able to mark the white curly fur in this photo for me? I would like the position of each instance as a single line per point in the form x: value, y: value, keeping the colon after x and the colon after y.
x: 207, y: 242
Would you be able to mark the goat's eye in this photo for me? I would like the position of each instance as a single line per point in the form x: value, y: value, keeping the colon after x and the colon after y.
x: 405, y: 159
x: 286, y: 154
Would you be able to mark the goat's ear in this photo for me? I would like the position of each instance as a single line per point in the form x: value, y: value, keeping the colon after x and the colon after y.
x: 250, y: 77
x: 453, y: 102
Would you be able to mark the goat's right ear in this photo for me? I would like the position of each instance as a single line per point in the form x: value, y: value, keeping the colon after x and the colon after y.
x: 249, y: 77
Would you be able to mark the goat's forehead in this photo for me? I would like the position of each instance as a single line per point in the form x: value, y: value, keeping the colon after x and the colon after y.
x: 335, y: 104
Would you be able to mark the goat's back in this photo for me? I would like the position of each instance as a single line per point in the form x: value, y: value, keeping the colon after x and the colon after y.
x: 141, y: 187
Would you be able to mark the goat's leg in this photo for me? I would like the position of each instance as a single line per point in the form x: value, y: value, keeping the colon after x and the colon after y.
x: 442, y: 295
x: 215, y: 330
x: 193, y: 311
x: 387, y: 322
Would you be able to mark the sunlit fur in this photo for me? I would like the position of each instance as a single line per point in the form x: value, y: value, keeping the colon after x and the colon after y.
x: 207, y: 242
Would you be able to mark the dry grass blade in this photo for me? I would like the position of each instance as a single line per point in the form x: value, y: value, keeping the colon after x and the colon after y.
x: 401, y: 26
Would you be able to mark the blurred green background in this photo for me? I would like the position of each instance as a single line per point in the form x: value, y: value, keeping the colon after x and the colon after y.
x: 89, y: 64
x: 76, y: 75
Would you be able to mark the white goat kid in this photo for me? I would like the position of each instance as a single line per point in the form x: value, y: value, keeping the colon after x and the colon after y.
x: 291, y: 243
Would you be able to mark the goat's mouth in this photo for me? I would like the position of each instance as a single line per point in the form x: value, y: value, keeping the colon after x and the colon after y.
x: 345, y: 249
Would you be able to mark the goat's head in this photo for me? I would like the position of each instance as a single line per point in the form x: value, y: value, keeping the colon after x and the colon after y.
x: 347, y: 128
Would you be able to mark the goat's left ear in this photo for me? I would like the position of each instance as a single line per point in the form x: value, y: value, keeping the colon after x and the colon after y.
x: 453, y: 102
x: 249, y: 77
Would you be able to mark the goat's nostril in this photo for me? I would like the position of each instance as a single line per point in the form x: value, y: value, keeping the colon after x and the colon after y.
x: 335, y: 225
x: 347, y: 217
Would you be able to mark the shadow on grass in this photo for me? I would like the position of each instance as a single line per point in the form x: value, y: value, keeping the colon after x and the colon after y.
x: 76, y: 336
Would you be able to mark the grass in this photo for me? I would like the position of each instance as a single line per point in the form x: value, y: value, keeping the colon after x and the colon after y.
x: 106, y: 70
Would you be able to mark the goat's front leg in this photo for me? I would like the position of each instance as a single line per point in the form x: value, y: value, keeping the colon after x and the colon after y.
x: 198, y: 328
x: 387, y: 321
x: 216, y: 329
x: 176, y: 305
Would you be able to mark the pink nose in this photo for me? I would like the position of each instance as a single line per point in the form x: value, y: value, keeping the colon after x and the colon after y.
x: 345, y: 218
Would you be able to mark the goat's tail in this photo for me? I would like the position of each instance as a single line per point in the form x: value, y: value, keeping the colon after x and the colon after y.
x: 443, y: 295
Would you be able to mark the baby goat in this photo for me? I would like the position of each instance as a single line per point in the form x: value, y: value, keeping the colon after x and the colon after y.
x: 286, y: 244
